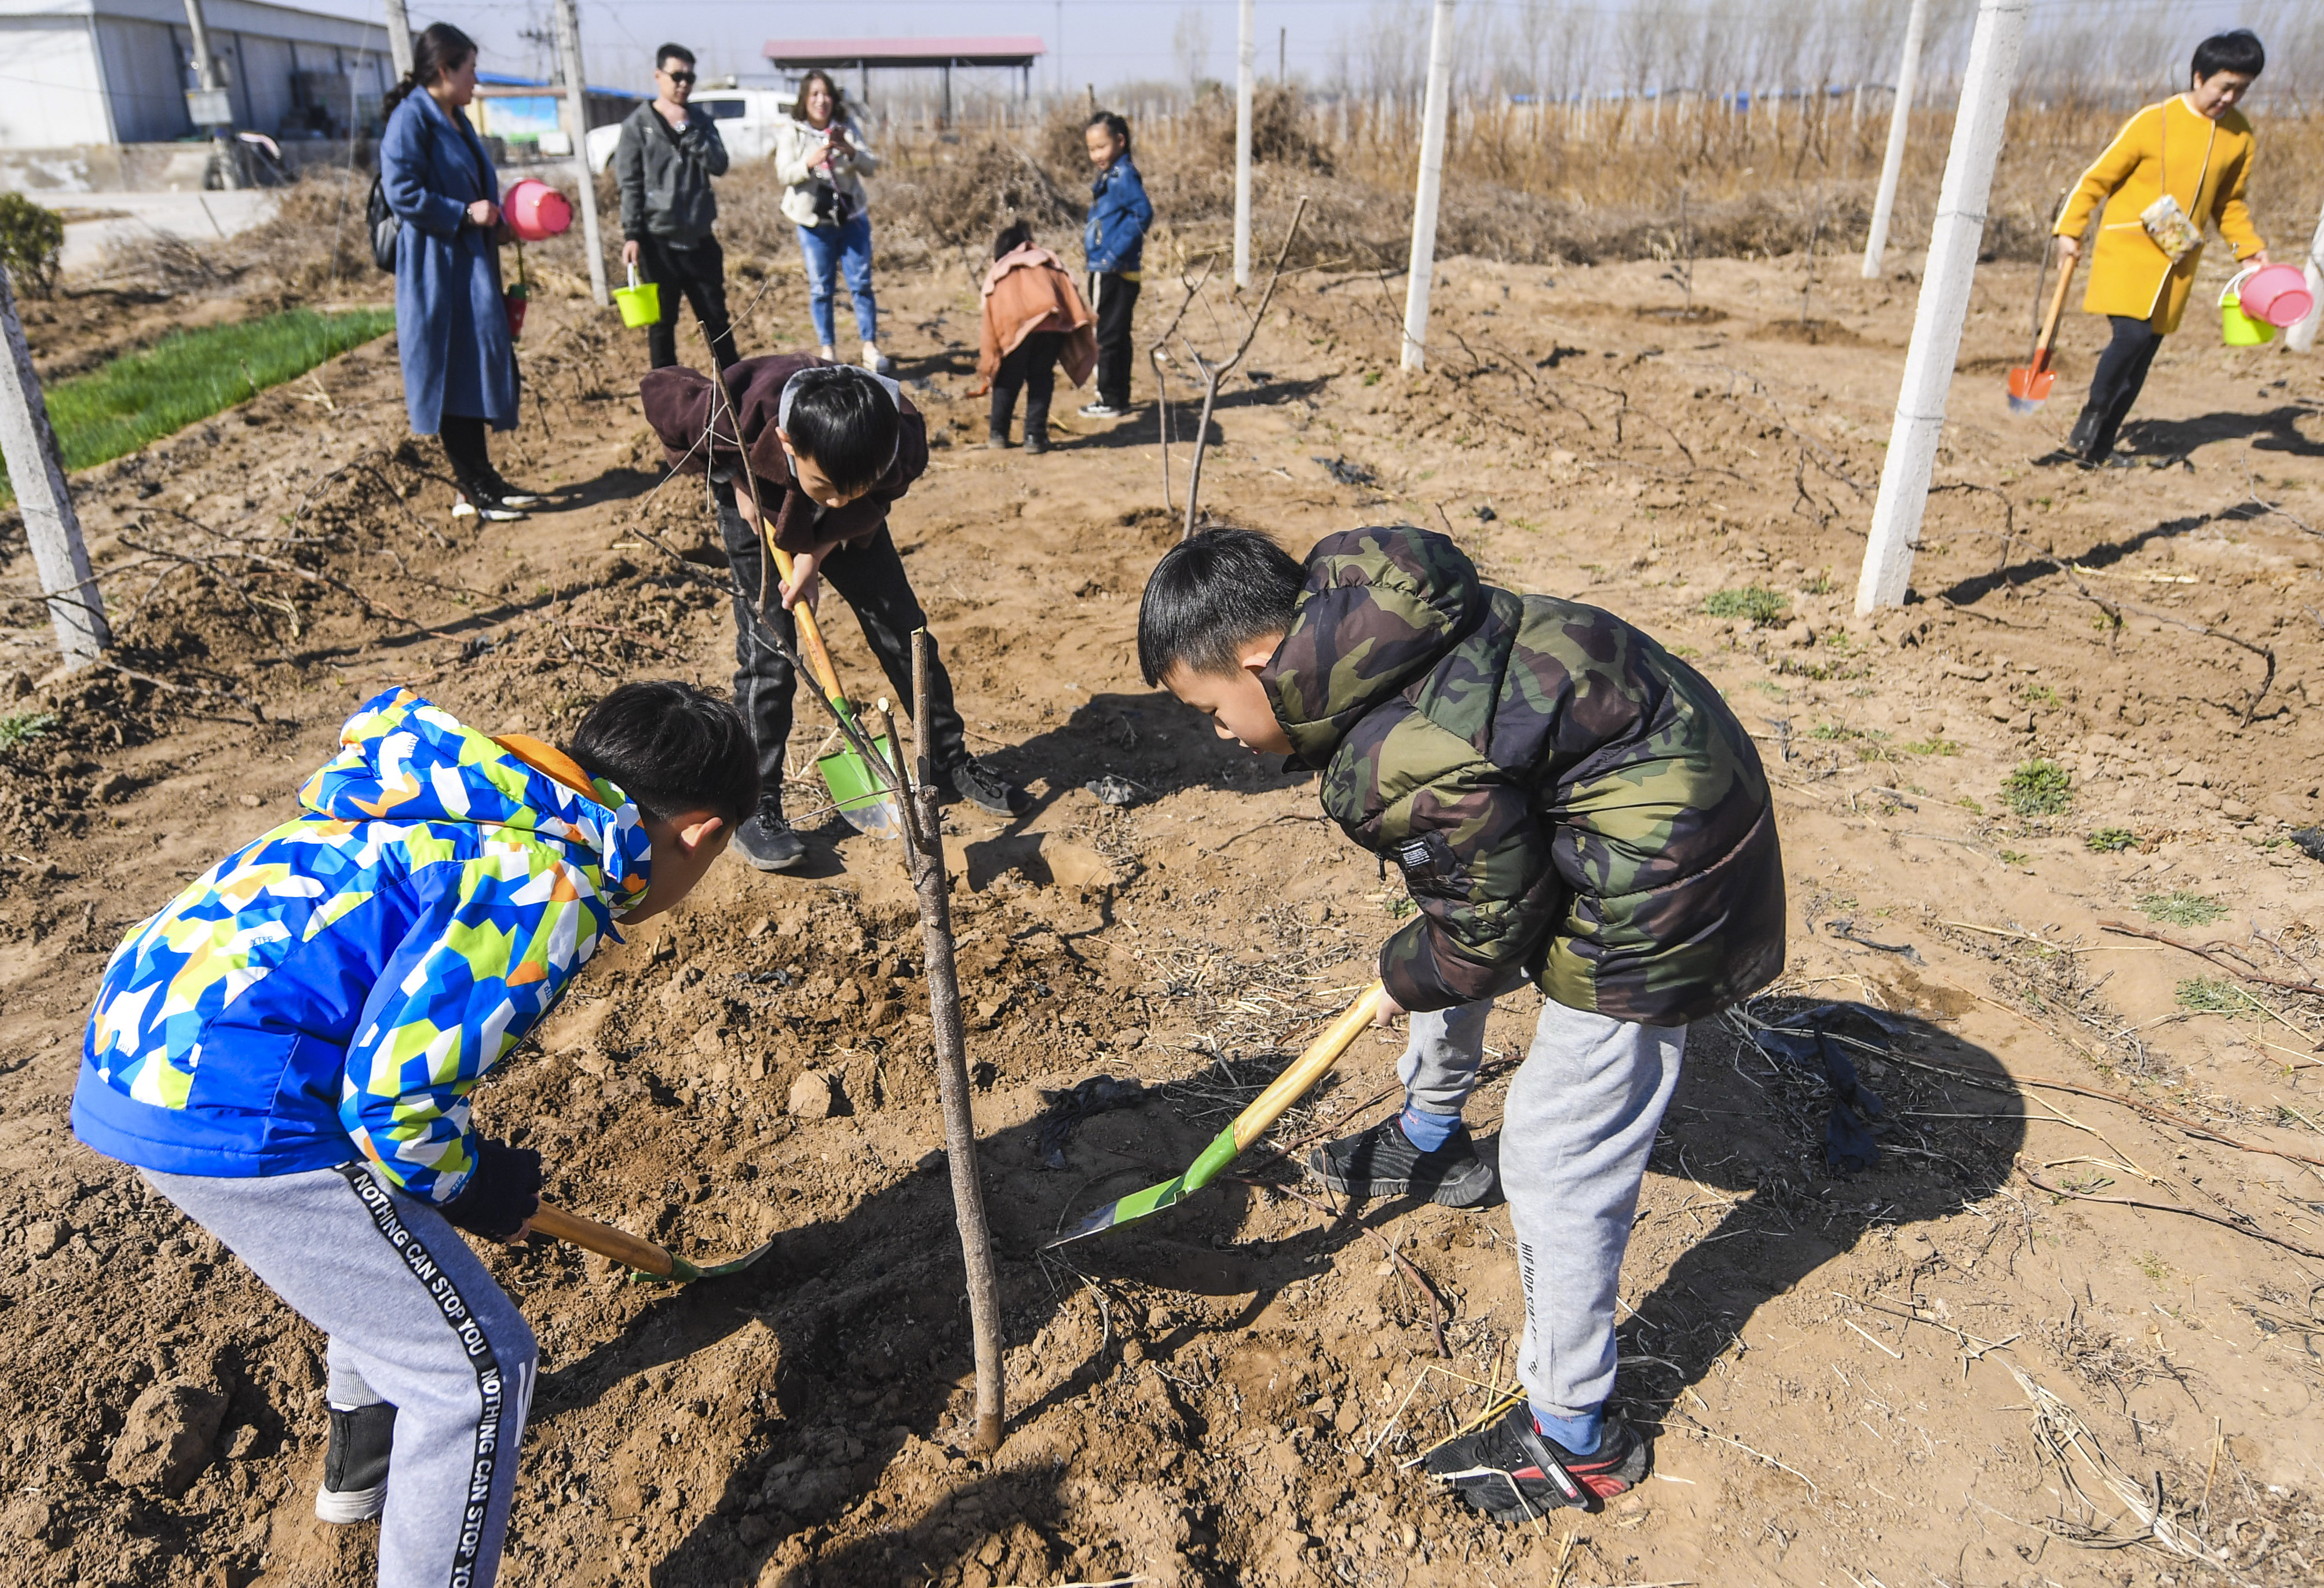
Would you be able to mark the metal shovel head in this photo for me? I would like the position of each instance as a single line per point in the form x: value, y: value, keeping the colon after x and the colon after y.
x: 682, y: 1272
x: 2029, y: 389
x: 861, y: 797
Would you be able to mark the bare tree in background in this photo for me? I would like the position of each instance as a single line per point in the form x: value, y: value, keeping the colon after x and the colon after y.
x: 1191, y: 38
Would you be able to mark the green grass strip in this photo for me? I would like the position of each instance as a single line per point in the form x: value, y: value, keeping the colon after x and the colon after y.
x: 189, y: 375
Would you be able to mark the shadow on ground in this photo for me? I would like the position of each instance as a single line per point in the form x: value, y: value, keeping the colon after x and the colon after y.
x: 871, y: 1354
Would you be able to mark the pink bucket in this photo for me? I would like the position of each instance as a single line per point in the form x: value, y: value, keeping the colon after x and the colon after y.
x: 537, y: 211
x: 2278, y: 294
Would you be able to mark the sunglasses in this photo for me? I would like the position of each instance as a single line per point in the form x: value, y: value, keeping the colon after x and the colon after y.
x: 679, y: 77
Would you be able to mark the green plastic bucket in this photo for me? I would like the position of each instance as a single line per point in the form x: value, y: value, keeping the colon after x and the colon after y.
x: 2236, y: 328
x: 639, y: 303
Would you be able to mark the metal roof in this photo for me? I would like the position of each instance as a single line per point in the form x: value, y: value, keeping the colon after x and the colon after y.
x: 989, y: 49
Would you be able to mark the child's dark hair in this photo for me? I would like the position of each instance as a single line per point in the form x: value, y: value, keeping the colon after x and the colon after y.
x: 1211, y: 595
x: 669, y: 52
x: 2239, y: 50
x: 672, y: 748
x: 1114, y: 123
x: 843, y: 421
x: 1013, y: 236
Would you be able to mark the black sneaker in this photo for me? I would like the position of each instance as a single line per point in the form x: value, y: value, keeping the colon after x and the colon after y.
x: 513, y: 496
x: 1103, y: 409
x: 767, y: 841
x: 982, y: 786
x: 481, y: 503
x: 354, y: 1466
x: 998, y: 441
x: 1514, y: 1472
x: 1036, y: 442
x: 1382, y: 1162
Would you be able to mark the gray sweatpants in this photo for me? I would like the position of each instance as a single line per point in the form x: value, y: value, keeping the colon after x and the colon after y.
x: 414, y: 1320
x: 1581, y: 1120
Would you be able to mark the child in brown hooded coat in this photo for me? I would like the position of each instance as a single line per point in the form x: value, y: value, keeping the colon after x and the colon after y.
x: 1034, y: 320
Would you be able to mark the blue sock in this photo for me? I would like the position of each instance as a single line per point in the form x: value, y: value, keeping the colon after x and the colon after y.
x: 1428, y: 1131
x: 1580, y: 1435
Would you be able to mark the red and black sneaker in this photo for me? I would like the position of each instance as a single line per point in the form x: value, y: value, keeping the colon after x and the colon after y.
x: 1513, y: 1472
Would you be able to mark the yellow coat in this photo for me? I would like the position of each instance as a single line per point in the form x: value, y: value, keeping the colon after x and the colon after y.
x: 2210, y: 163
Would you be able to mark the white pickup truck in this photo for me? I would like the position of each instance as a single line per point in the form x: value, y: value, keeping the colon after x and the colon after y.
x: 747, y: 118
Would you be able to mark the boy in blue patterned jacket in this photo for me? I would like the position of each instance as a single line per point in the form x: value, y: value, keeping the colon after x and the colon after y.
x: 286, y: 1051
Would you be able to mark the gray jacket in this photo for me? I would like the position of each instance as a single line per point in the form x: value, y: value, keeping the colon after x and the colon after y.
x: 665, y: 175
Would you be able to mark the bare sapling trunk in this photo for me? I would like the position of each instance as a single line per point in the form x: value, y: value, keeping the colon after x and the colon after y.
x: 924, y: 858
x: 1212, y: 374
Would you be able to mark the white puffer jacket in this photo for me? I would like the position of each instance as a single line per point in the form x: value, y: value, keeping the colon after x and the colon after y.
x: 796, y: 144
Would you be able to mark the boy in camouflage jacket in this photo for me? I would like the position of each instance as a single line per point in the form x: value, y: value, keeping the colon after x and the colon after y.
x: 286, y: 1051
x: 1571, y: 805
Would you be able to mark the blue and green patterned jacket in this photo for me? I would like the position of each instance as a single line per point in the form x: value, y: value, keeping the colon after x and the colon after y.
x: 337, y: 988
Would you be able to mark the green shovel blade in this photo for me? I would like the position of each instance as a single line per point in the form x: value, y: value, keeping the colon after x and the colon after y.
x: 857, y: 791
x: 1154, y: 1198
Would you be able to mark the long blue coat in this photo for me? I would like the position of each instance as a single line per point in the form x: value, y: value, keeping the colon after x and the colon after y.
x: 449, y: 324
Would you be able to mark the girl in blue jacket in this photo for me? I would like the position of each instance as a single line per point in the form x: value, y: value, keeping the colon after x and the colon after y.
x: 1113, y: 242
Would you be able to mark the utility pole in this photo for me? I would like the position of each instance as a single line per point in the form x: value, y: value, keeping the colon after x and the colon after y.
x: 1246, y: 68
x: 1954, y: 242
x: 576, y: 111
x: 1900, y: 120
x: 1432, y: 177
x: 211, y: 104
x: 37, y: 470
x: 398, y: 38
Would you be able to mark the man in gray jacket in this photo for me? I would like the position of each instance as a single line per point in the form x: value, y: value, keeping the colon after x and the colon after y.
x: 669, y: 151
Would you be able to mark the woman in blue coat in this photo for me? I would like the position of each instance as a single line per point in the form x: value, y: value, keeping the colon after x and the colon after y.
x: 459, y: 365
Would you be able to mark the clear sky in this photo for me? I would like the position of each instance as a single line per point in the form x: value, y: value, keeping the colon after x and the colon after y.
x: 1108, y: 42
x: 1104, y: 41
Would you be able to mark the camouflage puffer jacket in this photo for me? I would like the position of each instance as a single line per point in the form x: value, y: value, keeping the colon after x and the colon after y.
x: 1569, y: 803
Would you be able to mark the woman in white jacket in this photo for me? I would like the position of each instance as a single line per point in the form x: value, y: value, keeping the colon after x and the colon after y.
x: 822, y: 161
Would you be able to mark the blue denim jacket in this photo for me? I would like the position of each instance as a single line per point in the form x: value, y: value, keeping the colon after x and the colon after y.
x: 1114, y: 239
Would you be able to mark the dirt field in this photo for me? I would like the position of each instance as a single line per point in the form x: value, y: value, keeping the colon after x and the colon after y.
x: 2090, y: 1252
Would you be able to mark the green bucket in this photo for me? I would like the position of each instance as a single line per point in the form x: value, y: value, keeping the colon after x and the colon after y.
x: 2236, y: 328
x: 639, y: 303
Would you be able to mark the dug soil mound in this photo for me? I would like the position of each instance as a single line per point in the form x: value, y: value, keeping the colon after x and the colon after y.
x: 2065, y: 1331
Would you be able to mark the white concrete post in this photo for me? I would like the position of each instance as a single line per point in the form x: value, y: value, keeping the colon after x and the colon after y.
x: 37, y: 470
x: 1900, y: 120
x: 1954, y: 242
x: 1246, y: 68
x: 2303, y: 337
x: 399, y: 37
x: 577, y: 110
x: 1432, y: 175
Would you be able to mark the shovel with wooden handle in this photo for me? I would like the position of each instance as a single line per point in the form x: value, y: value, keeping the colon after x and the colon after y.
x: 855, y: 789
x: 2029, y: 384
x: 646, y: 1259
x: 1249, y: 1126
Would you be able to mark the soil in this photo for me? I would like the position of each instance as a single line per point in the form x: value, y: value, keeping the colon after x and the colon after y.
x: 2090, y: 1246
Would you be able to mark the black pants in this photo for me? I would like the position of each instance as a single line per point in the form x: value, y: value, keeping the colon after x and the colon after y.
x: 870, y: 577
x: 466, y: 450
x: 1115, y: 297
x: 2121, y: 372
x: 1034, y: 368
x: 697, y: 274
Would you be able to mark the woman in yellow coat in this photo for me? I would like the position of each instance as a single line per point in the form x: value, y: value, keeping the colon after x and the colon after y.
x: 2195, y: 148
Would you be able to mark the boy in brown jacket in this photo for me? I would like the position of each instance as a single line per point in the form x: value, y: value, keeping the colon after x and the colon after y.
x: 1034, y: 320
x: 831, y: 446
